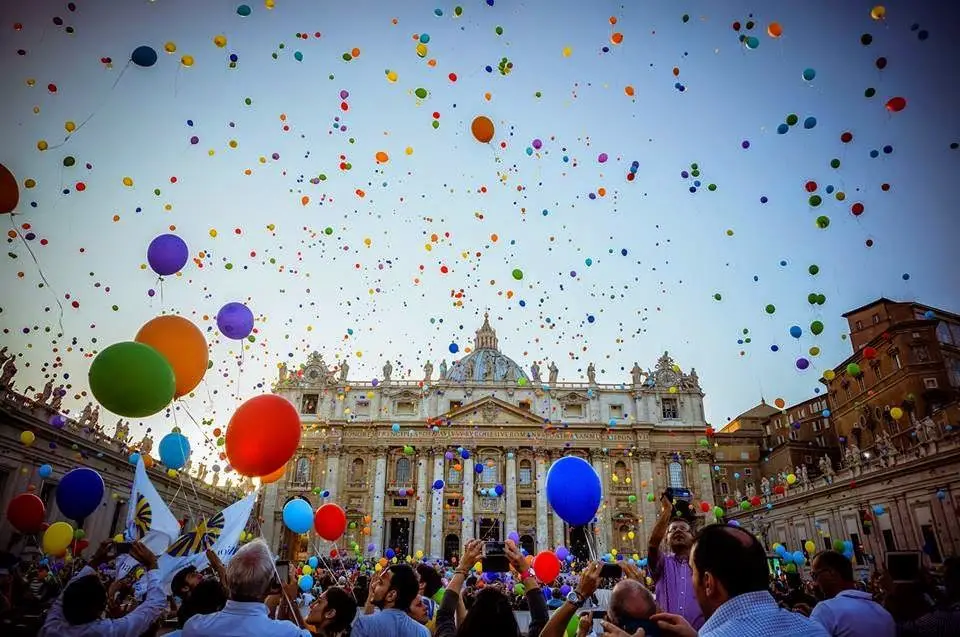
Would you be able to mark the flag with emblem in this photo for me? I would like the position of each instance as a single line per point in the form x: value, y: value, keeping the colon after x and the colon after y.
x: 219, y: 532
x: 149, y: 520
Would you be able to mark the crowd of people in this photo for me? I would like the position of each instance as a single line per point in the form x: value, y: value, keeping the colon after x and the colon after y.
x: 712, y: 583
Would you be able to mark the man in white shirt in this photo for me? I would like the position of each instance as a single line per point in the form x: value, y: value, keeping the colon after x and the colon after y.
x: 845, y: 611
x: 77, y: 611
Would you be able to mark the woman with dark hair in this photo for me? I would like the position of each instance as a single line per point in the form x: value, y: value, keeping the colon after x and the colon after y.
x: 207, y: 597
x: 333, y: 612
x: 490, y: 613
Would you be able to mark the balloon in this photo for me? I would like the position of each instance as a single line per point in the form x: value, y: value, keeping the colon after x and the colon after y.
x: 879, y: 12
x: 79, y: 493
x: 562, y: 552
x: 305, y: 583
x: 183, y: 346
x: 167, y: 254
x: 330, y: 521
x: 45, y: 471
x: 132, y: 379
x: 26, y: 512
x: 390, y: 554
x: 9, y: 191
x: 313, y: 562
x: 816, y: 327
x: 791, y: 478
x: 896, y: 104
x: 482, y: 128
x: 144, y: 56
x: 57, y: 538
x: 809, y: 74
x: 809, y: 546
x: 273, y: 477
x: 297, y: 515
x: 262, y: 435
x: 27, y: 437
x: 243, y: 10
x: 174, y: 450
x: 795, y: 331
x: 853, y: 369
x: 774, y: 30
x: 546, y: 566
x: 235, y: 321
x: 896, y: 413
x: 573, y: 490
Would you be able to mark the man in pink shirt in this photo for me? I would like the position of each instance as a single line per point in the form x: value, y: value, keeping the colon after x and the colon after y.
x: 671, y: 571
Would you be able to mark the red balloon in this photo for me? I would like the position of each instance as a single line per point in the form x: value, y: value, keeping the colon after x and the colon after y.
x: 9, y: 191
x: 263, y: 434
x: 869, y: 353
x: 705, y: 507
x: 756, y: 501
x: 547, y: 566
x: 896, y: 104
x: 330, y: 521
x: 26, y: 513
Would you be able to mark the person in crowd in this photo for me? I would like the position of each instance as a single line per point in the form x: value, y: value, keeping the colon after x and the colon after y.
x: 186, y: 579
x: 944, y: 619
x: 249, y: 576
x: 430, y: 584
x: 392, y: 592
x: 556, y: 599
x: 730, y: 582
x: 796, y: 598
x: 490, y: 613
x: 79, y: 608
x: 846, y: 611
x: 671, y: 571
x: 206, y: 597
x: 333, y: 612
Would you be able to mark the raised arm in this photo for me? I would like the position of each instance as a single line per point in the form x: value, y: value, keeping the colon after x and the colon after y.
x: 140, y: 618
x: 446, y: 614
x: 218, y: 568
x: 656, y: 536
x: 589, y: 581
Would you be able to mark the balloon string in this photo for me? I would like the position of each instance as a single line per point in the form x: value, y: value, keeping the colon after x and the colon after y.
x: 95, y: 110
x: 43, y: 276
x: 277, y: 573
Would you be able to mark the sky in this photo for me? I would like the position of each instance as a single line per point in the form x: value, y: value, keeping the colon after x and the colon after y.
x: 285, y: 207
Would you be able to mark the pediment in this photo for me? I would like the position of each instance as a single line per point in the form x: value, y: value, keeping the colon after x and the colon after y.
x: 492, y: 411
x: 573, y: 397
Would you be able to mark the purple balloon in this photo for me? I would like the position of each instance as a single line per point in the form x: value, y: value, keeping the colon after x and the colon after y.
x: 235, y: 321
x: 565, y: 590
x: 167, y: 254
x: 514, y: 536
x: 802, y: 363
x: 562, y: 552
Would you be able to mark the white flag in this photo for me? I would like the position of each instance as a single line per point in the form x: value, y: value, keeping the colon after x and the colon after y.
x: 220, y: 533
x: 149, y: 520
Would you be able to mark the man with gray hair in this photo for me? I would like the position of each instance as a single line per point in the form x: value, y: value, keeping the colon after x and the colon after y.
x: 249, y: 576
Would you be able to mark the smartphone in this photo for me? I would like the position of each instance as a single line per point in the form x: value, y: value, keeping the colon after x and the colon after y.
x: 903, y: 566
x: 122, y: 547
x: 678, y: 493
x: 630, y: 625
x: 494, y: 558
x: 611, y: 569
x: 283, y: 570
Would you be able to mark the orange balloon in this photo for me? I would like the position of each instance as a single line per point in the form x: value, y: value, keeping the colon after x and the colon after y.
x: 9, y: 191
x: 273, y: 477
x: 774, y: 30
x: 182, y: 344
x: 262, y: 436
x: 628, y: 89
x: 382, y: 157
x: 482, y: 128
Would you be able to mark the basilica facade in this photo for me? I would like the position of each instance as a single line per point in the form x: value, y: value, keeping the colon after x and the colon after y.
x: 426, y: 464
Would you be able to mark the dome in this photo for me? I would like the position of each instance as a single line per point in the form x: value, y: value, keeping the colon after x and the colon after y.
x: 485, y: 363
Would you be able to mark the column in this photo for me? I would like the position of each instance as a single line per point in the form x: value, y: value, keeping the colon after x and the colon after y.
x: 466, y: 529
x: 603, y: 516
x: 705, y: 483
x: 331, y: 479
x: 559, y: 530
x: 436, y: 510
x: 510, y: 486
x: 647, y: 510
x: 542, y: 539
x: 338, y: 405
x: 423, y: 494
x: 379, y: 486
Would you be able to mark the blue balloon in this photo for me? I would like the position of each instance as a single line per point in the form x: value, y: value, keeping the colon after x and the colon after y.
x: 298, y: 515
x: 144, y: 56
x: 798, y: 557
x: 167, y: 254
x: 562, y: 552
x: 573, y: 490
x: 390, y: 554
x: 464, y: 454
x: 478, y: 468
x: 438, y: 484
x: 79, y: 493
x: 782, y: 129
x: 313, y: 562
x: 305, y: 583
x: 235, y: 321
x: 809, y: 74
x: 780, y: 550
x: 498, y: 489
x: 45, y: 471
x: 174, y: 450
x: 395, y: 428
x: 795, y: 331
x: 134, y: 458
x: 810, y: 122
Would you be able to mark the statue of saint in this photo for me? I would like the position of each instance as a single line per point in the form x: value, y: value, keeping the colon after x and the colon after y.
x: 85, y: 415
x: 4, y: 357
x: 765, y: 487
x: 9, y: 371
x: 344, y: 370
x: 804, y: 478
x: 535, y: 372
x: 58, y: 395
x: 443, y: 369
x: 387, y: 370
x: 931, y: 429
x: 428, y: 371
x: 554, y: 371
x: 146, y: 444
x: 44, y: 396
x: 737, y: 494
x: 751, y: 490
x: 591, y: 374
x: 282, y: 373
x: 201, y: 471
x: 637, y: 374
x: 121, y: 432
x: 467, y: 369
x: 216, y: 476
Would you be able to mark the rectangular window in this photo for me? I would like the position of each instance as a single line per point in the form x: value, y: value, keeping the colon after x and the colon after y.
x: 399, y: 502
x: 526, y: 504
x: 671, y: 409
x: 526, y: 476
x: 724, y: 488
x: 362, y: 407
x: 525, y: 405
x: 888, y: 540
x: 876, y: 320
x: 405, y: 408
x: 766, y: 429
x: 860, y: 382
x: 455, y: 404
x: 616, y: 411
x: 896, y: 360
x: 821, y: 442
x: 857, y: 553
x: 453, y: 503
x: 921, y: 354
x: 779, y: 440
x: 748, y: 472
x: 792, y: 435
x: 573, y: 411
x: 859, y: 325
x: 930, y: 383
x: 454, y: 476
x: 930, y: 545
x: 309, y: 404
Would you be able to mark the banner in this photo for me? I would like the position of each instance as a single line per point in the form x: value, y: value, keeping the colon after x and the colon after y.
x: 149, y: 520
x: 220, y: 533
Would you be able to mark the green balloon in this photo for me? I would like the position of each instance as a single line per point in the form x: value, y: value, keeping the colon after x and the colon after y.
x: 132, y: 380
x: 870, y: 92
x: 518, y: 274
x: 712, y: 187
x: 815, y: 200
x: 572, y: 626
x: 770, y: 309
x: 816, y: 327
x: 853, y: 369
x: 823, y: 221
x: 631, y: 498
x: 717, y: 297
x: 718, y: 512
x: 421, y: 93
x: 812, y: 298
x: 838, y: 546
x: 834, y: 163
x: 821, y: 299
x: 813, y: 269
x: 792, y: 119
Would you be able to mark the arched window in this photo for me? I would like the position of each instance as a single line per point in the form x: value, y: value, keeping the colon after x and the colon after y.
x: 526, y: 473
x: 302, y: 473
x: 620, y: 470
x: 403, y: 471
x: 489, y: 475
x: 676, y: 474
x: 454, y: 476
x: 356, y: 470
x: 724, y: 488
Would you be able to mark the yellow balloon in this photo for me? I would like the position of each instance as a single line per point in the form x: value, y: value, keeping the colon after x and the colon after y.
x: 419, y: 555
x: 879, y: 12
x: 810, y: 546
x: 170, y: 47
x: 631, y: 535
x: 187, y: 60
x: 567, y: 51
x: 392, y: 76
x: 791, y: 478
x: 57, y: 538
x: 27, y: 437
x: 42, y: 145
x: 128, y: 182
x: 896, y: 413
x: 70, y: 126
x: 421, y: 50
x: 118, y: 537
x: 829, y: 374
x: 378, y: 567
x: 613, y: 552
x: 220, y: 40
x: 307, y: 569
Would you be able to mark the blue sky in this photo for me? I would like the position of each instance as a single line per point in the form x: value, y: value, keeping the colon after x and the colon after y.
x: 390, y: 299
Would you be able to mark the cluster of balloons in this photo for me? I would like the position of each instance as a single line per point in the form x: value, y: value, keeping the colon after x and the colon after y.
x: 329, y: 521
